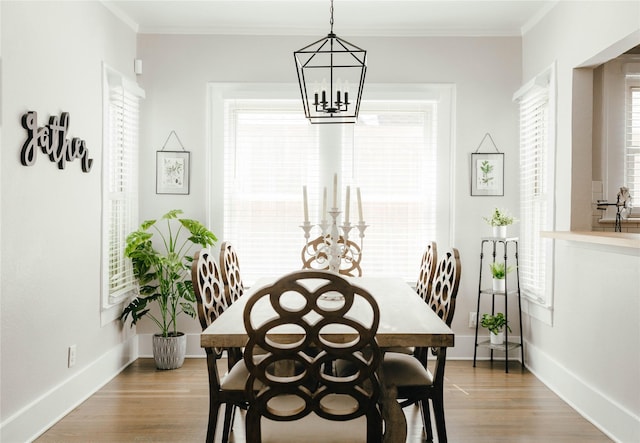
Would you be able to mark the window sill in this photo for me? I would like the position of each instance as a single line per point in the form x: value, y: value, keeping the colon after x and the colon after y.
x: 623, y: 239
x: 624, y: 221
x: 535, y: 309
x: 111, y: 313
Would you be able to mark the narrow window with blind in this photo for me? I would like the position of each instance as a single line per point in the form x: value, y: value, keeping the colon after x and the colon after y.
x: 120, y: 187
x: 632, y: 137
x: 537, y: 153
x: 398, y: 155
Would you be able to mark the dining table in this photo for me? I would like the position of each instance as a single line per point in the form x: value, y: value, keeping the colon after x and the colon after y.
x: 405, y: 321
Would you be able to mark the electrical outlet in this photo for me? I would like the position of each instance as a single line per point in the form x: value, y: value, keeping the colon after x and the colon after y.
x: 72, y: 355
x: 473, y: 319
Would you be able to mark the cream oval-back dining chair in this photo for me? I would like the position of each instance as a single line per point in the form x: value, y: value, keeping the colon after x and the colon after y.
x: 230, y: 267
x: 300, y: 403
x: 211, y: 303
x: 415, y: 382
x: 314, y: 256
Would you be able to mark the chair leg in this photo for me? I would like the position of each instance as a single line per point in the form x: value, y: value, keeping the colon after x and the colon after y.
x: 438, y: 411
x: 426, y: 419
x: 252, y: 427
x: 214, y: 408
x: 229, y: 410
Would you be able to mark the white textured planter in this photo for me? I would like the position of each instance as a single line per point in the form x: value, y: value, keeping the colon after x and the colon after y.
x: 500, y: 231
x: 499, y: 284
x: 169, y: 352
x: 497, y: 339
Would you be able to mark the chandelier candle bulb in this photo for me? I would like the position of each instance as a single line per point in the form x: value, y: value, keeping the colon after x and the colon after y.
x: 335, y: 191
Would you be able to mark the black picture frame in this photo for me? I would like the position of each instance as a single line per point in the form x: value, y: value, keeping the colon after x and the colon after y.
x: 173, y: 172
x: 487, y: 174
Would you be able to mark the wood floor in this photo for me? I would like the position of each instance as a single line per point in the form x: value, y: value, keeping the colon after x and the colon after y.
x: 482, y: 404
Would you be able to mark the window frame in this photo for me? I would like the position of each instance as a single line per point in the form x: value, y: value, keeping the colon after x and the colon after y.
x: 112, y: 303
x: 538, y: 305
x: 632, y: 83
x: 614, y: 121
x: 218, y: 92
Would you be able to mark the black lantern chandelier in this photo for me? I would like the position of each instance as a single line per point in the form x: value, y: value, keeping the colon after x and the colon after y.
x: 329, y: 71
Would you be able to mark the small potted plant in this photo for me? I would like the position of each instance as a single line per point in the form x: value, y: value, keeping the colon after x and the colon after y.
x: 164, y: 277
x: 499, y: 273
x: 499, y: 221
x: 495, y: 324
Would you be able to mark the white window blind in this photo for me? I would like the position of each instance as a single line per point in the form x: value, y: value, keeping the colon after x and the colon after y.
x: 632, y: 138
x: 271, y: 152
x: 536, y: 193
x: 392, y: 157
x: 120, y: 183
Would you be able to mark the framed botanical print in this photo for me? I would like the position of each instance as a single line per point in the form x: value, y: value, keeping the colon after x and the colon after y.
x: 172, y: 172
x: 487, y: 174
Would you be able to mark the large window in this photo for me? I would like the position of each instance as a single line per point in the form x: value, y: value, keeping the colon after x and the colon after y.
x: 632, y: 136
x: 619, y: 144
x: 537, y: 154
x: 120, y: 186
x: 398, y: 155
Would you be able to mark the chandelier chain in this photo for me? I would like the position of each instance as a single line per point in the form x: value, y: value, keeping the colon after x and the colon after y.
x: 331, y: 19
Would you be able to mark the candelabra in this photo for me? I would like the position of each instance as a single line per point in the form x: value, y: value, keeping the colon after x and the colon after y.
x: 333, y: 248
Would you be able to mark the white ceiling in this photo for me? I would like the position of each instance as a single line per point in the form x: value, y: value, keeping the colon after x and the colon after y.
x: 351, y: 17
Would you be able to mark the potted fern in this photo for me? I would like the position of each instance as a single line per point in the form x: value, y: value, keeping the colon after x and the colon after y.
x: 499, y: 273
x: 164, y: 278
x: 499, y: 220
x: 495, y: 324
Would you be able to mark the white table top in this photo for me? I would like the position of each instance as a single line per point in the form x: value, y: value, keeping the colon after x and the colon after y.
x: 405, y: 319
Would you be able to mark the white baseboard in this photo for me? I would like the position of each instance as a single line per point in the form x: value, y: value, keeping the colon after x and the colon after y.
x: 145, y: 346
x: 463, y: 349
x: 617, y: 422
x: 38, y: 416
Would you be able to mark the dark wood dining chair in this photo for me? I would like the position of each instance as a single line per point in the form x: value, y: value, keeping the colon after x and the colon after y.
x: 423, y: 288
x: 314, y: 256
x: 427, y: 271
x: 299, y: 400
x: 230, y: 267
x: 415, y: 382
x: 211, y: 303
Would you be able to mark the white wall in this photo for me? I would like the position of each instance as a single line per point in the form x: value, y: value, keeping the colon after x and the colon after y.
x: 485, y: 71
x: 50, y: 264
x: 596, y: 287
x: 50, y: 219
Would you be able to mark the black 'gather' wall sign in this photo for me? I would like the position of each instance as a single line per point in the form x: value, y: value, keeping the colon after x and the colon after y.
x: 52, y: 140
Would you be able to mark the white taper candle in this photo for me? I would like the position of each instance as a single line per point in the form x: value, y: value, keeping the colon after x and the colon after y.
x: 324, y: 204
x: 359, y: 205
x: 306, y: 204
x: 346, y: 205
